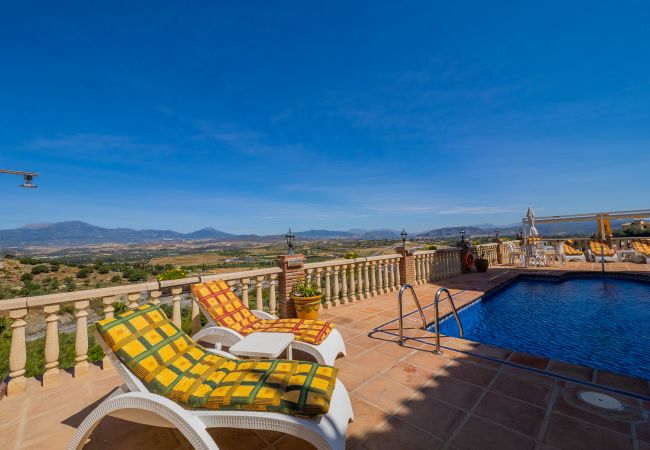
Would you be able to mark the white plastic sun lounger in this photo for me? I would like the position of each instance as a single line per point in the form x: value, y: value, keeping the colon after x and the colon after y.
x: 324, y: 353
x: 133, y: 402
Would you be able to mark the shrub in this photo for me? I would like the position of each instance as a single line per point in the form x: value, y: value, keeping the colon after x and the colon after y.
x: 26, y: 277
x: 103, y: 269
x: 351, y: 255
x: 83, y: 273
x: 70, y: 285
x: 172, y: 274
x: 116, y: 279
x: 39, y: 268
x: 134, y: 274
x: 54, y: 267
x: 55, y: 283
x: 431, y: 247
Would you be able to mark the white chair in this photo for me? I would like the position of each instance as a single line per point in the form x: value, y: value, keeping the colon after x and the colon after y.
x: 134, y: 402
x: 514, y: 253
x: 324, y: 353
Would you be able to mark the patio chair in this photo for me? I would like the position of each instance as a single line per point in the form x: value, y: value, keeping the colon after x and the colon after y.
x: 514, y: 253
x: 229, y: 320
x: 171, y: 381
x: 642, y: 249
x: 570, y: 253
x: 605, y: 252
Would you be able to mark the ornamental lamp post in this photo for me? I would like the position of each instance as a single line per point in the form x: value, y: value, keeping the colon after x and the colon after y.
x: 462, y: 235
x: 496, y: 232
x: 404, y: 235
x: 289, y: 237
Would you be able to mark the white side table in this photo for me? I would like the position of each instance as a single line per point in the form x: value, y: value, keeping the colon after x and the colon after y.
x: 263, y: 345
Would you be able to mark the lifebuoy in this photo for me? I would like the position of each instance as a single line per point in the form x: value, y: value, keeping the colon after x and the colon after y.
x: 468, y: 260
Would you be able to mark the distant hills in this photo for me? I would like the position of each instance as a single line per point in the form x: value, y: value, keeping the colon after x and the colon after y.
x: 75, y: 233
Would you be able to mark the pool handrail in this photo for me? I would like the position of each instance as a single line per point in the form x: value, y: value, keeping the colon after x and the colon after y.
x: 437, y: 316
x: 401, y: 310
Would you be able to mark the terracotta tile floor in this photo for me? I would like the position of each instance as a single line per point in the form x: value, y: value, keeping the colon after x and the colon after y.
x: 402, y: 396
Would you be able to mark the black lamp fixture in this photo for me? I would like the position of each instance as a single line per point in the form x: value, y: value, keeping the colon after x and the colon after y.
x: 404, y: 235
x: 462, y: 235
x: 289, y: 237
x: 496, y: 231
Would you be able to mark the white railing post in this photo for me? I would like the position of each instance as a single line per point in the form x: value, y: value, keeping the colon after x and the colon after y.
x: 336, y: 299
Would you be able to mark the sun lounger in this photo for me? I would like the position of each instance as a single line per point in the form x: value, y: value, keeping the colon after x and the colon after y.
x: 171, y: 381
x: 229, y: 320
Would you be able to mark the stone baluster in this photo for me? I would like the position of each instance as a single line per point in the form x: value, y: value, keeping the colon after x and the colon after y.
x: 109, y: 313
x: 359, y: 267
x: 309, y: 275
x: 259, y: 295
x: 328, y: 288
x: 319, y: 278
x: 132, y: 300
x: 176, y: 305
x: 51, y: 375
x: 380, y: 277
x: 273, y: 308
x: 418, y: 269
x: 366, y: 281
x: 195, y: 324
x: 391, y: 275
x: 336, y: 299
x: 81, y: 338
x: 398, y: 273
x: 373, y: 278
x: 244, y: 291
x: 154, y: 297
x: 353, y: 285
x: 344, y: 284
x: 17, y: 352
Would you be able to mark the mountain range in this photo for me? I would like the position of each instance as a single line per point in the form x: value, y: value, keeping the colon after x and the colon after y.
x: 80, y: 233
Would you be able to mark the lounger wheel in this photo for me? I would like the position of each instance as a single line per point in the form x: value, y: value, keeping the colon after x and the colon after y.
x: 192, y: 428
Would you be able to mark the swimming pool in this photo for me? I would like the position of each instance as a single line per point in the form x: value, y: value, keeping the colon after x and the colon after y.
x: 600, y: 323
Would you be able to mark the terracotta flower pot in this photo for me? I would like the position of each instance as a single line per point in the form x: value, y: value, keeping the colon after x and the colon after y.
x: 307, y: 307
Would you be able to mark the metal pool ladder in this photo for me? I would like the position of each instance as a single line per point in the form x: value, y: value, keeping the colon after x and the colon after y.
x: 424, y: 321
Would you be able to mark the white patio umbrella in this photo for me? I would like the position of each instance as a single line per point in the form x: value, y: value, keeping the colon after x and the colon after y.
x: 530, y: 221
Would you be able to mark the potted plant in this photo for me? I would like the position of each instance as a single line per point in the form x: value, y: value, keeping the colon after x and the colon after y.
x: 482, y: 263
x: 306, y: 297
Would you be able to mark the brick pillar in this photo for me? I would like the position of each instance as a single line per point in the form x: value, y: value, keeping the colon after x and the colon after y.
x: 406, y: 266
x: 292, y: 270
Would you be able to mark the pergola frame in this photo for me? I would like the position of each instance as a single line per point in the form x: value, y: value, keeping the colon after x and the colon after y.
x: 602, y: 216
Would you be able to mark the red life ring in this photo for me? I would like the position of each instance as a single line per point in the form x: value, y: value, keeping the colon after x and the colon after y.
x: 468, y: 260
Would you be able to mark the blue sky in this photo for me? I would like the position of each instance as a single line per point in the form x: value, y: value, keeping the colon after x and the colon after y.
x: 257, y: 116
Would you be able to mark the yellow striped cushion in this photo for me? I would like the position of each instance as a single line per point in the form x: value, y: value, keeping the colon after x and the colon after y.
x: 227, y: 310
x: 171, y: 364
x: 597, y: 250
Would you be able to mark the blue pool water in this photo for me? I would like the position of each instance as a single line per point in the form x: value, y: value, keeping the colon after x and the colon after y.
x: 600, y: 323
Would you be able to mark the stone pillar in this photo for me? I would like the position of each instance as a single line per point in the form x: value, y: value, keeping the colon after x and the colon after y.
x: 51, y: 375
x: 292, y: 270
x: 406, y: 266
x: 17, y: 352
x: 81, y: 338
